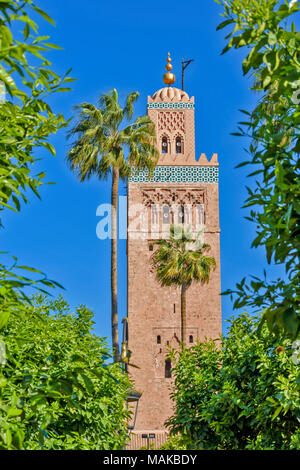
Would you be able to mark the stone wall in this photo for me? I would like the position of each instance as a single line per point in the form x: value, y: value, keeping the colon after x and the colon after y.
x: 155, y: 311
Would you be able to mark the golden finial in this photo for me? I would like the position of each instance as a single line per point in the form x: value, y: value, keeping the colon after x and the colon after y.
x: 169, y: 78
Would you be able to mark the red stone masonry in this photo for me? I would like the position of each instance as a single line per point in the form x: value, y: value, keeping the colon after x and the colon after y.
x: 154, y: 311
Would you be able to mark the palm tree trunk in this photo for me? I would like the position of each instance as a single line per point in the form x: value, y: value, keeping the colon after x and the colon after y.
x: 114, y: 247
x: 183, y: 312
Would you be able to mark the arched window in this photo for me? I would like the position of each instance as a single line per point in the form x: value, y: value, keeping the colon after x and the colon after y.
x: 166, y: 215
x: 178, y: 145
x: 164, y: 145
x: 158, y: 339
x: 191, y: 339
x: 168, y: 367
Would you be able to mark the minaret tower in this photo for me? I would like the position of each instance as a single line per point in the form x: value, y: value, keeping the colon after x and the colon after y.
x: 182, y: 190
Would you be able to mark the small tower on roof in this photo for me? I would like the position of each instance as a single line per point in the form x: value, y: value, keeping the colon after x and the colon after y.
x: 172, y: 111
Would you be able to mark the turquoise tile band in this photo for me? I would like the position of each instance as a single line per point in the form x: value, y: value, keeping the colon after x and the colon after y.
x: 177, y: 174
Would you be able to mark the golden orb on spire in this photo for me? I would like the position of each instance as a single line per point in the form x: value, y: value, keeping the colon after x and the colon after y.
x: 169, y: 78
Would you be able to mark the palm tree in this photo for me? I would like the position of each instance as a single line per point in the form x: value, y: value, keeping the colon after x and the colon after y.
x: 179, y: 261
x: 107, y: 143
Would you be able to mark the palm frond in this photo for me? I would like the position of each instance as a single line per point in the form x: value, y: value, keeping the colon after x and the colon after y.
x: 99, y: 142
x: 175, y: 263
x: 128, y: 108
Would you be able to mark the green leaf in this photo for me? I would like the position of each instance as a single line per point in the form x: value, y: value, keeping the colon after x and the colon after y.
x: 267, y: 81
x: 6, y: 78
x: 291, y: 321
x: 26, y: 31
x: 44, y: 15
x: 272, y: 38
x: 49, y: 147
x: 64, y: 89
x: 52, y: 46
x: 3, y: 381
x: 4, y: 316
x: 88, y: 382
x: 276, y: 412
x: 224, y: 23
x: 14, y: 412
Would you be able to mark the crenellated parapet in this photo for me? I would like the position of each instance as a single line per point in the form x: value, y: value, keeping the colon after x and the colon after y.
x: 203, y: 160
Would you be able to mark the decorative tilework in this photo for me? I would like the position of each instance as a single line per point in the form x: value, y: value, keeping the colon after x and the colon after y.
x: 177, y: 174
x: 170, y: 105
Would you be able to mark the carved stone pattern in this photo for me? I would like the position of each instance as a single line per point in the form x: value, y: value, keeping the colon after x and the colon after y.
x: 171, y: 121
x: 173, y: 196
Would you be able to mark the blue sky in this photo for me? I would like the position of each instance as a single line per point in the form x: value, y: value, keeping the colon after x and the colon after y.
x: 124, y: 45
